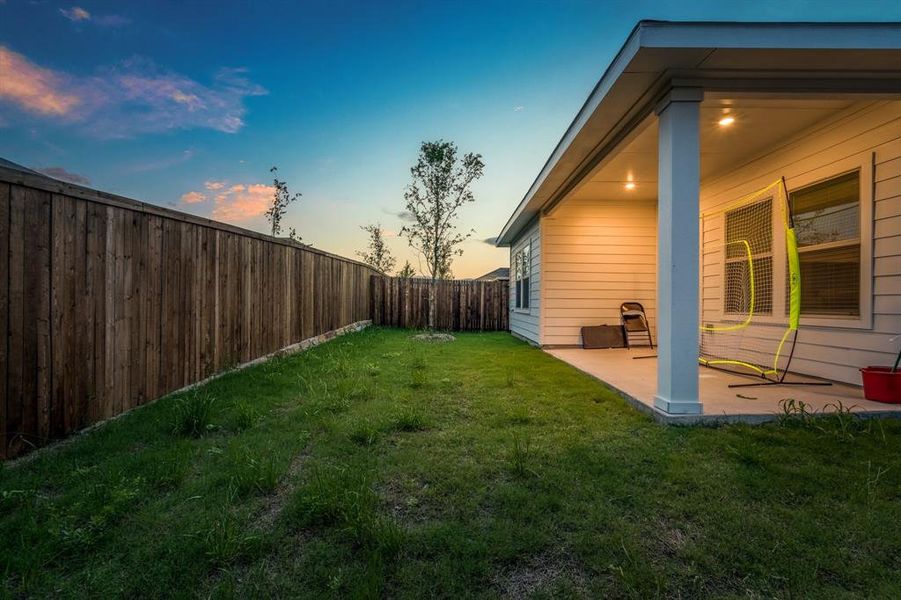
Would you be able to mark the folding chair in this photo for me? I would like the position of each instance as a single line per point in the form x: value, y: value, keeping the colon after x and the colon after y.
x: 634, y: 320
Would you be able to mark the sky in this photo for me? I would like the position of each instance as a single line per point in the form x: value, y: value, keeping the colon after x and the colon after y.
x: 189, y: 104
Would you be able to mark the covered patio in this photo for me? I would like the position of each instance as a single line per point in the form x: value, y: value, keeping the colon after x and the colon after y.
x: 631, y: 373
x: 743, y: 183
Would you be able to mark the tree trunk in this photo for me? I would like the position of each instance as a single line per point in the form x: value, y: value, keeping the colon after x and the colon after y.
x: 433, y: 304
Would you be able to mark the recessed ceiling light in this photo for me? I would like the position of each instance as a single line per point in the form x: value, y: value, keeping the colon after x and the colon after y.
x: 630, y: 185
x: 726, y: 121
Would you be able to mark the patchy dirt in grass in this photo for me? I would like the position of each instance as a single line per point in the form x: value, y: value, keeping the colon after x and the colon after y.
x: 547, y: 572
x: 434, y: 338
x: 403, y: 500
x: 671, y: 539
x: 275, y: 502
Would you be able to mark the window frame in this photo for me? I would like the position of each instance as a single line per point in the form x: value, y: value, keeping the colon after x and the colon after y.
x: 863, y: 163
x: 522, y: 258
x: 837, y: 244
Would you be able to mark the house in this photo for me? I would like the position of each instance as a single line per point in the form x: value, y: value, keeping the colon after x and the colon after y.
x: 499, y: 274
x: 688, y: 119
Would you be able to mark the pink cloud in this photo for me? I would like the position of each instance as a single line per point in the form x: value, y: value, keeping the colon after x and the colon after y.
x: 76, y: 13
x: 193, y: 197
x: 235, y: 203
x: 34, y: 89
x: 131, y: 98
x: 243, y: 203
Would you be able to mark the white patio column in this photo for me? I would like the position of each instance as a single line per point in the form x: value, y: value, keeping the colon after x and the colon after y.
x: 677, y: 252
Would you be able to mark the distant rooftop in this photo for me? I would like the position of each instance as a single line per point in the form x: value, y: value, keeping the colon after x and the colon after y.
x: 498, y: 273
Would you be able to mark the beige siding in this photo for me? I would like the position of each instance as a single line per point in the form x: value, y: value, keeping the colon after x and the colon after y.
x: 526, y: 323
x: 830, y: 349
x: 596, y: 254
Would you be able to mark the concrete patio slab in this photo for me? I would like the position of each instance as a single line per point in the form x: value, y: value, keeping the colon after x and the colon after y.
x: 636, y: 380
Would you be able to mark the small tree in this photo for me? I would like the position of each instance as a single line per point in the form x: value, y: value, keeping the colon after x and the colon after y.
x: 441, y: 185
x: 377, y: 255
x: 407, y: 271
x: 280, y: 201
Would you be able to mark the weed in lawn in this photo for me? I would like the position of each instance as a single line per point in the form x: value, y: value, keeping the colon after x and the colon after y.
x: 274, y: 367
x: 519, y: 416
x: 836, y: 419
x: 223, y: 539
x: 305, y: 384
x: 874, y: 425
x: 335, y: 400
x: 794, y: 412
x: 358, y: 389
x: 193, y: 413
x: 633, y: 576
x: 417, y: 363
x: 365, y: 433
x: 373, y: 370
x: 164, y: 469
x: 383, y: 535
x: 256, y: 473
x: 522, y: 455
x: 510, y: 377
x: 337, y: 363
x: 343, y: 497
x: 319, y: 502
x: 334, y: 496
x: 246, y: 414
x: 81, y: 525
x: 409, y: 419
x: 872, y: 483
x: 840, y: 421
x: 418, y: 379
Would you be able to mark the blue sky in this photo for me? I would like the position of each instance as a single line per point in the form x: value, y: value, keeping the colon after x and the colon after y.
x: 188, y: 104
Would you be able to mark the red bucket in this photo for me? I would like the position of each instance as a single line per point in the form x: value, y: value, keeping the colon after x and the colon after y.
x: 881, y: 384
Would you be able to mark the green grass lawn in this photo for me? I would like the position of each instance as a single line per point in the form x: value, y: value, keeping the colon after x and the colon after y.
x: 378, y: 465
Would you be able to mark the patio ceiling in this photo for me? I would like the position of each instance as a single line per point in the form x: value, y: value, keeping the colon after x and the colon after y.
x: 759, y: 126
x: 835, y: 60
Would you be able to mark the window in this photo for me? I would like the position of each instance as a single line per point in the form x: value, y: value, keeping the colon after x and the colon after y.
x: 749, y: 245
x: 522, y: 269
x: 827, y: 222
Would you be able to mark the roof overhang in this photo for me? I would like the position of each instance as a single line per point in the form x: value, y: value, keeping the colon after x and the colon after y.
x: 764, y: 58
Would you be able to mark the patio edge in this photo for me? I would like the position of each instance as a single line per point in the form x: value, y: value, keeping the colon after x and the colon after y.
x: 709, y: 419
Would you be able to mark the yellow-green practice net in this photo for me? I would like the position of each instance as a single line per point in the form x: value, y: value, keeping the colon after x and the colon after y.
x: 747, y: 246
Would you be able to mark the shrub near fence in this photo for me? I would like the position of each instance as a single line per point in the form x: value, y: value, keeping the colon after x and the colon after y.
x: 463, y: 305
x: 107, y: 303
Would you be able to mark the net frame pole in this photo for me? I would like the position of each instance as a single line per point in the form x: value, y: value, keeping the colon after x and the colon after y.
x: 794, y: 313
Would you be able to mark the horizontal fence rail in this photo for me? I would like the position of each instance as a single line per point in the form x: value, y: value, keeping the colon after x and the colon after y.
x: 107, y: 303
x: 462, y: 305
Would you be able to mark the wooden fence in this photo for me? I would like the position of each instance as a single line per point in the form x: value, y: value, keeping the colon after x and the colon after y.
x: 462, y: 305
x: 107, y: 303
